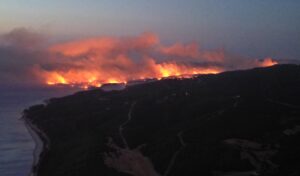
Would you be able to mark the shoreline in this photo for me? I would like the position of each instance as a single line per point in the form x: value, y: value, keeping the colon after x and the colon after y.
x: 41, y: 144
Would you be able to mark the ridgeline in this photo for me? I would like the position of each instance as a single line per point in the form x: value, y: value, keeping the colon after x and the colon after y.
x: 240, y: 122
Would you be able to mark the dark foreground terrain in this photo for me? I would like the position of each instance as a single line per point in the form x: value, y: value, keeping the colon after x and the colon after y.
x: 234, y: 123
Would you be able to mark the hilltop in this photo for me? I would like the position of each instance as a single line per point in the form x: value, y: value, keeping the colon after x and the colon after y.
x: 241, y: 122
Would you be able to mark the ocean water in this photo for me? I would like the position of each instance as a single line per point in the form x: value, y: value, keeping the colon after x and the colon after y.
x: 16, y: 144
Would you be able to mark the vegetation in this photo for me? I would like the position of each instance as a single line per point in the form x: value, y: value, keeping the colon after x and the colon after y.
x: 235, y: 122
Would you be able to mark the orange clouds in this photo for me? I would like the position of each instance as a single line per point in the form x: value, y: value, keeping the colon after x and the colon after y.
x: 178, y: 49
x: 100, y: 60
x: 267, y: 62
x: 96, y: 61
x: 105, y: 45
x: 191, y: 50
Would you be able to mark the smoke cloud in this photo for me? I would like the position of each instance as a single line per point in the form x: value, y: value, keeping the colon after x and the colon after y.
x: 28, y: 58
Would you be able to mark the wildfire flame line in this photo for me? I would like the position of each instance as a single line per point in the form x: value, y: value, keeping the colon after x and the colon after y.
x: 97, y: 61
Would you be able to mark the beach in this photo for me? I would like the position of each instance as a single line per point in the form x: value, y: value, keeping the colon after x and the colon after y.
x: 39, y: 145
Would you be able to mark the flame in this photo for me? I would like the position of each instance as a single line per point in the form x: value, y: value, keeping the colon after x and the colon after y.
x: 176, y: 70
x: 267, y: 62
x: 86, y: 79
x: 97, y: 61
x: 56, y: 78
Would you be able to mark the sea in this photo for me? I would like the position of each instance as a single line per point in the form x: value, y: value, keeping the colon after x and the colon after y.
x: 16, y: 144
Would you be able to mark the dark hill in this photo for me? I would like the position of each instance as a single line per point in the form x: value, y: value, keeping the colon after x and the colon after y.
x: 240, y: 122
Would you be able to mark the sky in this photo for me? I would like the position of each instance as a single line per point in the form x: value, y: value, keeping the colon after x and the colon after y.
x: 254, y: 28
x: 105, y: 41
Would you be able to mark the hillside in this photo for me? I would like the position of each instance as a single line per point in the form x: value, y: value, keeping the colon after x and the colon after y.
x: 239, y: 122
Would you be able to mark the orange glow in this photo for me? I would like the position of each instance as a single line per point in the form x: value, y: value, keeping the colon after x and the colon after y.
x: 86, y: 79
x: 56, y: 78
x: 267, y: 62
x: 105, y: 45
x: 112, y: 81
x: 176, y: 70
x: 102, y: 60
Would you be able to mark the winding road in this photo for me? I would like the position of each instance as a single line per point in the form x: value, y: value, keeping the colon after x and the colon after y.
x: 126, y: 146
x: 174, y: 157
x: 237, y: 98
x: 121, y: 127
x: 284, y: 104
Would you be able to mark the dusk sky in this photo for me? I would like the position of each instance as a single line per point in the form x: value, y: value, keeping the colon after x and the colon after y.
x: 253, y: 28
x: 93, y: 42
x: 164, y: 87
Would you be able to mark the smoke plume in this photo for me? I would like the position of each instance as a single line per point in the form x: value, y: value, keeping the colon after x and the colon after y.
x: 28, y: 58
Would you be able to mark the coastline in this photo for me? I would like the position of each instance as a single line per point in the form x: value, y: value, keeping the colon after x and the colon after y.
x: 41, y: 144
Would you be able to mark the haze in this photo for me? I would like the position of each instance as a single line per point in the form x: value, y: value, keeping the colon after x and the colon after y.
x: 90, y: 43
x: 254, y: 28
